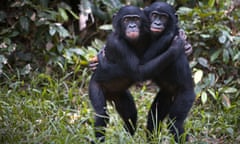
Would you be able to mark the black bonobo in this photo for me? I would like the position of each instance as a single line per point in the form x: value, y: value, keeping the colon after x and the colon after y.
x: 120, y: 67
x: 176, y: 94
x: 108, y: 83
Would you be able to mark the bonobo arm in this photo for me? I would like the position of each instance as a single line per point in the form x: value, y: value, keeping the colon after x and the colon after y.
x: 158, y: 64
x: 117, y: 51
x: 122, y: 67
x: 107, y: 70
x: 187, y: 47
x: 158, y: 47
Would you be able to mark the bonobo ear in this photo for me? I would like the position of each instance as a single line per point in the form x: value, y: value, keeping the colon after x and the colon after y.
x: 176, y: 15
x: 114, y: 22
x: 114, y: 15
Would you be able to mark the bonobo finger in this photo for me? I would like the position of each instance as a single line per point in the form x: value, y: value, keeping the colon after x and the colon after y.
x: 178, y: 41
x: 175, y: 38
x: 93, y: 62
x: 188, y: 48
x: 182, y: 34
x: 93, y: 66
x: 187, y: 45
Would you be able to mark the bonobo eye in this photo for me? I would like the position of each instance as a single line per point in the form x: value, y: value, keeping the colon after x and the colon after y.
x: 126, y: 20
x: 163, y: 17
x: 131, y: 18
x: 136, y: 19
x: 160, y: 16
x: 154, y: 16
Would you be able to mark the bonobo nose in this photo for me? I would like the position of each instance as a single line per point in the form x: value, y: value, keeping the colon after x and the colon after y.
x: 157, y: 23
x: 132, y: 26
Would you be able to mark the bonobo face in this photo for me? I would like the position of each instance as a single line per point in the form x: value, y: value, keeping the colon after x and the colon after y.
x: 158, y: 22
x: 162, y: 18
x: 131, y: 25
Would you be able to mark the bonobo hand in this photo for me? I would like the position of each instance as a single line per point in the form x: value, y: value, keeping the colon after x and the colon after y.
x: 176, y: 47
x: 93, y: 62
x: 187, y: 45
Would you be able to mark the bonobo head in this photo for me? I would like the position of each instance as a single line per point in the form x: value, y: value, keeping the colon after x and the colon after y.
x: 162, y: 18
x: 130, y: 23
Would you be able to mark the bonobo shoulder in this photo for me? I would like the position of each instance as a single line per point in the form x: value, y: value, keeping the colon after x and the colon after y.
x: 113, y: 41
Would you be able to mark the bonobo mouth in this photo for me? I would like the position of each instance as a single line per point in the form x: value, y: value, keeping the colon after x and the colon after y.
x: 157, y: 30
x: 133, y: 35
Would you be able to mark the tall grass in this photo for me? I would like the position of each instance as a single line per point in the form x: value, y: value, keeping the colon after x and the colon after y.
x: 49, y: 109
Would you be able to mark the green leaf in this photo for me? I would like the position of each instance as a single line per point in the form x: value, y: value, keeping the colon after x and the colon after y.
x: 24, y: 22
x: 72, y: 13
x: 3, y: 59
x: 106, y: 27
x: 211, y: 79
x: 62, y: 31
x: 230, y: 90
x: 215, y: 55
x: 77, y: 51
x: 184, y: 10
x: 52, y: 30
x: 115, y: 3
x: 204, y: 97
x: 230, y: 131
x: 198, y: 76
x: 14, y: 33
x: 211, y: 3
x: 63, y: 14
x: 212, y: 93
x: 226, y: 101
x: 225, y: 56
x: 44, y: 2
x: 3, y: 16
x: 57, y: 27
x: 205, y: 36
x: 26, y: 70
x: 60, y: 48
x: 237, y: 56
x: 204, y: 62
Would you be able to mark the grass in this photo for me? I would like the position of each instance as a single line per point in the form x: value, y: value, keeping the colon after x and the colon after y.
x: 47, y: 109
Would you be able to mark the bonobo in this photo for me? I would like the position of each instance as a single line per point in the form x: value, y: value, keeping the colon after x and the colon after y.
x: 120, y: 67
x: 105, y: 83
x: 176, y: 94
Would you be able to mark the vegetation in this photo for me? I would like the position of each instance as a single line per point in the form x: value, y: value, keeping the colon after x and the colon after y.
x: 44, y: 74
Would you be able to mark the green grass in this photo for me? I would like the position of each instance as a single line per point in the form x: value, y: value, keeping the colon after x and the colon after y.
x: 47, y: 109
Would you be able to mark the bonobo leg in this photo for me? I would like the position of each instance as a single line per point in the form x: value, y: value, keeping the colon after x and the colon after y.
x: 159, y: 109
x: 98, y: 101
x: 178, y: 113
x: 126, y: 108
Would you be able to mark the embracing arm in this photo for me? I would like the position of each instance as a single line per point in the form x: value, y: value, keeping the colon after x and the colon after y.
x: 156, y: 65
x: 115, y: 60
x: 118, y: 52
x: 107, y: 70
x: 158, y: 47
x: 113, y: 66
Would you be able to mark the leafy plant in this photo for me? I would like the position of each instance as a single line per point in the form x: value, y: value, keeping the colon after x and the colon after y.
x: 216, y: 50
x: 35, y: 34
